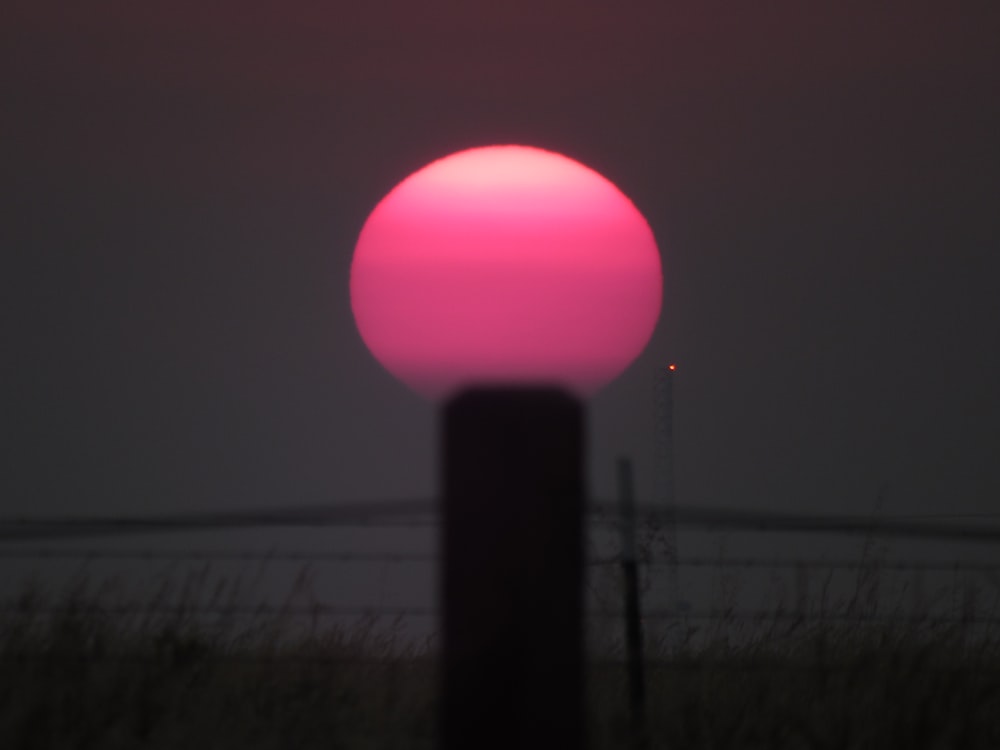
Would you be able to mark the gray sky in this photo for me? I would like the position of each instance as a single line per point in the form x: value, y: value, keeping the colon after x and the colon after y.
x: 182, y: 189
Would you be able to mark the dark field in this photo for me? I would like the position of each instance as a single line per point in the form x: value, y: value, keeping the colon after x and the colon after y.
x: 83, y: 671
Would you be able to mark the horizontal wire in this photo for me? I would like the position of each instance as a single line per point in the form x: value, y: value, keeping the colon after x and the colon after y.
x: 284, y: 658
x: 259, y: 610
x: 401, y: 513
x: 773, y: 521
x: 807, y: 617
x: 778, y: 665
x: 421, y: 557
x: 820, y: 564
x: 238, y: 556
x: 211, y: 555
x: 380, y: 513
x: 326, y: 610
x: 210, y: 655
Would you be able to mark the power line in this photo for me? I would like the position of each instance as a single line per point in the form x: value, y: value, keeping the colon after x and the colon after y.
x: 212, y: 654
x: 201, y: 555
x: 382, y: 513
x: 741, y: 520
x: 327, y: 610
x: 764, y: 616
x: 222, y: 610
x: 214, y: 555
x: 821, y: 564
x: 277, y: 556
x: 422, y: 513
x: 776, y: 664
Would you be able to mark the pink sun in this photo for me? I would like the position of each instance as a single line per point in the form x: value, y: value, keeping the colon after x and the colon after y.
x: 505, y: 265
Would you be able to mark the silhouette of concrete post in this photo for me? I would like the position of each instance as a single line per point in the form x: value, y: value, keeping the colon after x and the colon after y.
x: 512, y: 574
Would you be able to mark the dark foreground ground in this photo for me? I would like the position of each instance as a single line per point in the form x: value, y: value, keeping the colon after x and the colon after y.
x: 85, y: 675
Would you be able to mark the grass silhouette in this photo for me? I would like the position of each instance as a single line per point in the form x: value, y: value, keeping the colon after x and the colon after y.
x: 92, y: 667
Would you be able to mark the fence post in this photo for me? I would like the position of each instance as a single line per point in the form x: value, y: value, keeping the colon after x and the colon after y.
x: 801, y: 591
x: 919, y: 604
x: 969, y: 597
x: 512, y: 583
x: 633, y: 621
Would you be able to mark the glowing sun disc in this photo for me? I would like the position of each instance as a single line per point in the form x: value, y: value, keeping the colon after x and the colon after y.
x: 502, y: 265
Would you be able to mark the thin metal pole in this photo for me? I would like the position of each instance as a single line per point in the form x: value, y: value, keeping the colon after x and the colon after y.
x: 633, y: 619
x: 665, y: 485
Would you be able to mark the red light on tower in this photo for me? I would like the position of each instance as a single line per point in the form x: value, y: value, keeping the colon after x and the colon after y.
x: 671, y: 367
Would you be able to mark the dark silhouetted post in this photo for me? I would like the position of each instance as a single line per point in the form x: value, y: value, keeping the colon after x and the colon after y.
x: 512, y: 574
x: 633, y: 622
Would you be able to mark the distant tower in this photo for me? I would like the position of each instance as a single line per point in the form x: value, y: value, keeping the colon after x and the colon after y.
x: 664, y: 535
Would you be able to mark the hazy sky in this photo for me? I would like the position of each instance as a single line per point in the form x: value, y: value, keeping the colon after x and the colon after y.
x: 183, y: 186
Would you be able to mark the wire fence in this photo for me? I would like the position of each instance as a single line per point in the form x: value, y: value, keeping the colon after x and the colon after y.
x: 257, y: 555
x: 180, y: 637
x: 47, y: 538
x: 381, y: 611
x: 984, y: 527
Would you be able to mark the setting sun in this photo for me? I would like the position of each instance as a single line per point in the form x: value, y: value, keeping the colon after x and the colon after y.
x: 505, y: 264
